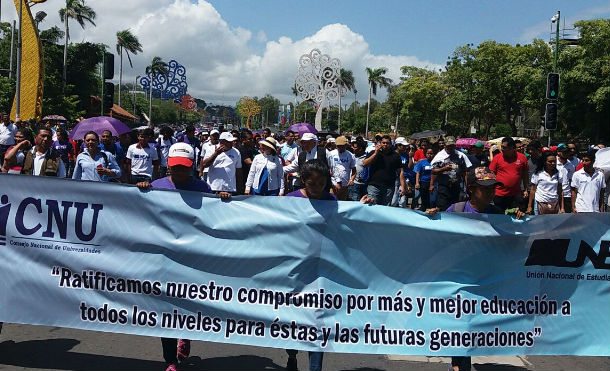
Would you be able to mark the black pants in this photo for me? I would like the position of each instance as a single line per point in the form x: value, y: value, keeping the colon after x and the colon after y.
x: 567, y: 204
x: 170, y: 349
x: 424, y: 194
x: 510, y: 202
x: 464, y: 363
x: 447, y: 195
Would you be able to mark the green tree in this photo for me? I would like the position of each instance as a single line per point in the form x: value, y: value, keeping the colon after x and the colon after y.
x: 81, y: 13
x: 7, y: 93
x: 346, y: 83
x: 269, y: 106
x: 157, y: 67
x: 376, y: 78
x: 127, y: 41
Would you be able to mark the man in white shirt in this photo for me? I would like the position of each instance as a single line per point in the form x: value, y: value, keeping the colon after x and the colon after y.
x: 308, y: 150
x: 207, y: 150
x: 7, y: 135
x: 343, y: 168
x: 42, y: 160
x: 142, y: 160
x: 289, y: 145
x: 588, y: 186
x: 224, y: 165
x: 565, y: 166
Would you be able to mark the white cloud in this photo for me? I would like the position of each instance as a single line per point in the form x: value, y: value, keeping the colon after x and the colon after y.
x: 221, y: 65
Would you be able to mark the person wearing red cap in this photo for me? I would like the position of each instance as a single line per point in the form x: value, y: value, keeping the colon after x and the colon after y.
x: 180, y: 161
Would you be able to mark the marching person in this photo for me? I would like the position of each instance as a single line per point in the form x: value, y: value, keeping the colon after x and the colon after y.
x: 95, y: 164
x: 142, y: 161
x: 546, y: 186
x: 42, y: 160
x: 588, y: 186
x: 266, y: 171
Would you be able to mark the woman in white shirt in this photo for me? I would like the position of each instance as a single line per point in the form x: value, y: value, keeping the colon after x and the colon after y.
x: 266, y: 176
x: 546, y: 186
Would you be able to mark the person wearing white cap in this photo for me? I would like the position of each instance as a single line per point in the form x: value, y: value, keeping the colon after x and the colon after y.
x: 224, y: 165
x: 266, y: 172
x: 207, y: 149
x: 309, y: 150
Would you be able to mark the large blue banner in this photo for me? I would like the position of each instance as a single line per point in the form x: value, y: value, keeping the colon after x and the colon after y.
x: 294, y: 273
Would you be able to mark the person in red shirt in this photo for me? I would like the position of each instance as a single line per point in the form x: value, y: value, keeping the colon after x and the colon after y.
x: 421, y: 152
x: 511, y: 169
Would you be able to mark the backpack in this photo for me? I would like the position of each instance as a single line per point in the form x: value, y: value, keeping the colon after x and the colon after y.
x: 365, y: 175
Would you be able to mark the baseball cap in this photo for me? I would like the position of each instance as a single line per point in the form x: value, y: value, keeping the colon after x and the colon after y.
x: 402, y: 141
x: 562, y: 148
x: 309, y: 136
x: 449, y: 142
x: 331, y: 140
x: 482, y: 176
x: 214, y: 131
x: 226, y: 136
x: 341, y: 141
x: 180, y: 154
x: 479, y: 145
x: 205, y: 133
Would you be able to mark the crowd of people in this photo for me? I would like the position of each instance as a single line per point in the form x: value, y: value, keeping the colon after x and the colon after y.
x: 426, y: 175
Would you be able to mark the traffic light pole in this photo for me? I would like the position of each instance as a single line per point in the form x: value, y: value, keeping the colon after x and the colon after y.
x: 556, y: 55
x: 103, y: 80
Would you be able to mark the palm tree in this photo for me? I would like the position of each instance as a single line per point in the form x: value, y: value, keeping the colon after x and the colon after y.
x: 126, y: 40
x: 156, y: 67
x: 346, y: 81
x: 355, y: 99
x: 77, y: 10
x: 376, y: 78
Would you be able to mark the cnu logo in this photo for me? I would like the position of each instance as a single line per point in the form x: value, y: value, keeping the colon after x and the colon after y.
x: 58, y: 217
x: 554, y: 252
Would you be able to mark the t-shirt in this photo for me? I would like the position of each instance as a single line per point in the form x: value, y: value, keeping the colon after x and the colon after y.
x: 478, y: 161
x: 164, y: 145
x: 546, y: 185
x: 588, y: 188
x: 286, y: 148
x: 7, y: 134
x: 222, y: 171
x: 115, y: 149
x: 193, y: 184
x: 408, y: 173
x: 383, y: 169
x: 343, y: 163
x: 424, y: 169
x: 490, y: 209
x: 142, y: 159
x: 509, y: 173
x: 359, y: 168
x: 327, y: 196
x: 459, y: 166
x: 568, y: 172
x: 63, y: 148
x: 419, y: 154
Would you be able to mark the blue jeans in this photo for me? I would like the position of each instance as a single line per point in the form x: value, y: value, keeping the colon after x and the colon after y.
x: 398, y: 200
x: 382, y: 195
x: 356, y: 191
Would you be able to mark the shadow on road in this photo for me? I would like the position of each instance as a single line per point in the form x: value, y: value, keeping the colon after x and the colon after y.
x: 233, y: 363
x: 497, y: 367
x: 55, y: 354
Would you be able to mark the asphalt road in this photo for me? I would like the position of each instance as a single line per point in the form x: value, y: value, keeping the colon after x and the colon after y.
x: 25, y: 347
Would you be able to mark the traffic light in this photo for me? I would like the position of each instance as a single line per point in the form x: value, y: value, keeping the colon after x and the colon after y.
x: 550, y: 116
x: 108, y: 99
x: 552, y: 86
x: 108, y: 66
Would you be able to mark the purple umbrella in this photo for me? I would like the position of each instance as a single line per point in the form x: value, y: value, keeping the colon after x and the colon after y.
x: 99, y: 124
x: 302, y: 127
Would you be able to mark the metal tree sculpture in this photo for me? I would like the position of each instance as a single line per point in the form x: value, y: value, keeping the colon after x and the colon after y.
x: 248, y: 107
x: 188, y: 103
x: 170, y: 86
x: 317, y: 80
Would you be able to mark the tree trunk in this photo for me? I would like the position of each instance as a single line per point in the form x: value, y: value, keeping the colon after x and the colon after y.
x: 65, y: 71
x: 368, y: 111
x: 120, y: 73
x: 150, y: 101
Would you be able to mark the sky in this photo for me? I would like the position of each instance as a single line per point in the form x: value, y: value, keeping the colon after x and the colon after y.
x: 234, y: 48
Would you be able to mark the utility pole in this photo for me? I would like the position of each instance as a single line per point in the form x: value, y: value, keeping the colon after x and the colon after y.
x: 10, y: 72
x: 556, y: 54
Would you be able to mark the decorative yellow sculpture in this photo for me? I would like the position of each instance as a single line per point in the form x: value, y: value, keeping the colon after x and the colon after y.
x: 32, y: 66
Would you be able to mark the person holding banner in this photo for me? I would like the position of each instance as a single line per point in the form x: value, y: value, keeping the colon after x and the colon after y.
x: 481, y: 188
x: 315, y: 178
x: 546, y: 186
x: 180, y: 161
